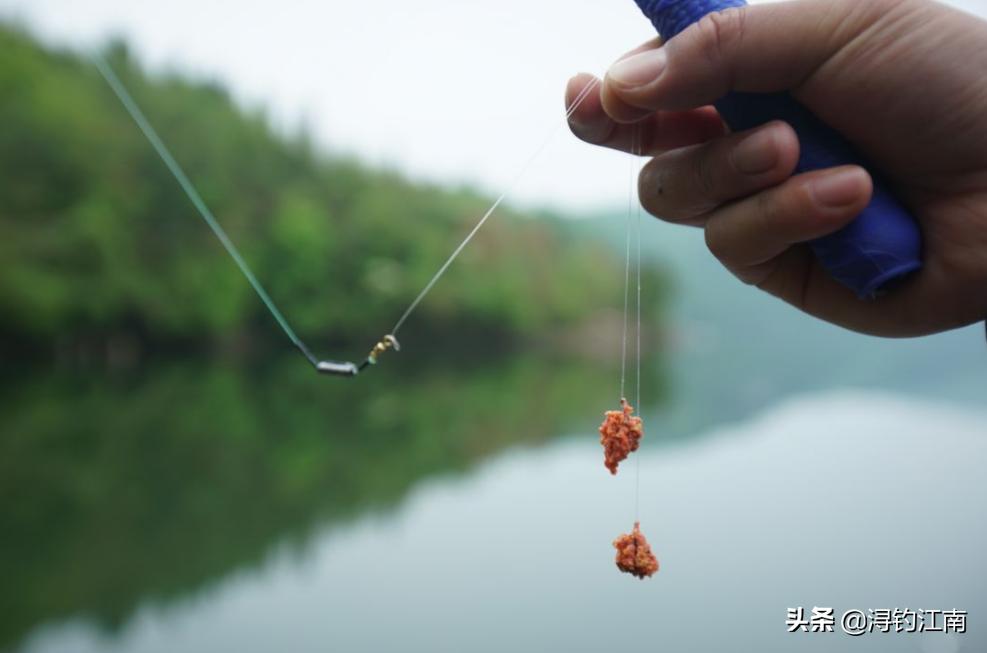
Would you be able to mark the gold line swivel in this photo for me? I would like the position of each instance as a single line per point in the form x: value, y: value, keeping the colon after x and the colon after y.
x: 335, y: 368
x: 387, y: 342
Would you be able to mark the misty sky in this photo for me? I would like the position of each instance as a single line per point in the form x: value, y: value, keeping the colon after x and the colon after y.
x: 445, y: 90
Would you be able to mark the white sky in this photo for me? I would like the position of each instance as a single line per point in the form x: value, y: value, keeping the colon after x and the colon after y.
x: 444, y: 90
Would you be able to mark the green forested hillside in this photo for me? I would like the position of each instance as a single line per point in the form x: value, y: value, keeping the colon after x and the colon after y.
x: 97, y: 238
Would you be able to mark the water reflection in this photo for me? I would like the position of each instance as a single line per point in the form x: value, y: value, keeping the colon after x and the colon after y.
x: 116, y: 491
x: 854, y: 500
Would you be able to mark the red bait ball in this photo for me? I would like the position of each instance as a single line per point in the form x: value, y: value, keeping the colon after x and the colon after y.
x: 634, y: 554
x: 620, y: 434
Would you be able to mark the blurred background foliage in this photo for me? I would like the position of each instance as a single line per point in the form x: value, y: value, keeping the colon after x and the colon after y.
x: 99, y: 241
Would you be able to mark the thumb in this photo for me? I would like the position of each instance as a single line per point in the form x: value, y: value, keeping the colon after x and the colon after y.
x: 757, y: 49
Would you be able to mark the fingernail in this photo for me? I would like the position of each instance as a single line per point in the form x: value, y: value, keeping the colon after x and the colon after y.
x: 839, y: 187
x: 757, y: 154
x: 639, y: 69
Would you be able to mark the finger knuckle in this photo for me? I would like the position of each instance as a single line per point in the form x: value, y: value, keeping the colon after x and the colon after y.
x: 719, y: 32
x: 779, y: 210
x: 875, y: 9
x: 717, y: 243
x: 753, y: 277
x: 769, y: 209
x: 748, y: 275
x: 771, y: 281
x: 705, y: 172
x: 846, y: 20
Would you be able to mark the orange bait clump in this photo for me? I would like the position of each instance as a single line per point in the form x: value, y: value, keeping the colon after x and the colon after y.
x: 620, y: 434
x: 634, y: 554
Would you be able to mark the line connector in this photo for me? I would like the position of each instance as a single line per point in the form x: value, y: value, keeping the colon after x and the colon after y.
x: 386, y: 343
x: 338, y: 368
x: 334, y: 368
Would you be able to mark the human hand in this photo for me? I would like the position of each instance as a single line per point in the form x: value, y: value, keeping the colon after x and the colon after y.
x: 903, y: 80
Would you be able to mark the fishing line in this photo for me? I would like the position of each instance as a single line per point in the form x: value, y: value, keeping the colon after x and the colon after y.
x: 386, y: 343
x: 486, y: 216
x: 190, y: 191
x: 627, y: 276
x: 621, y: 431
x: 637, y: 148
x: 629, y: 235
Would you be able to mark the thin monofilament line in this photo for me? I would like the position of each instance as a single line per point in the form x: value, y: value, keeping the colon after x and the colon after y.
x: 637, y: 404
x: 627, y: 279
x: 638, y: 265
x: 493, y: 208
x: 179, y: 174
x: 192, y: 193
x: 638, y: 147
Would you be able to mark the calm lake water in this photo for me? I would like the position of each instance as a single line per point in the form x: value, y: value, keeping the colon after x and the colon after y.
x: 462, y: 505
x: 205, y: 509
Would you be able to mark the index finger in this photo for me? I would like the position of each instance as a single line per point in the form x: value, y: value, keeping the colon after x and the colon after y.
x: 652, y: 135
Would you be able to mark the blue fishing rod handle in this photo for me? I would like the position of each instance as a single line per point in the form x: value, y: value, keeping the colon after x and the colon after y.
x: 884, y: 243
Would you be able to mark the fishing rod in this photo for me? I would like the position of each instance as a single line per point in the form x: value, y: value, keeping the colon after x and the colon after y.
x: 327, y: 367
